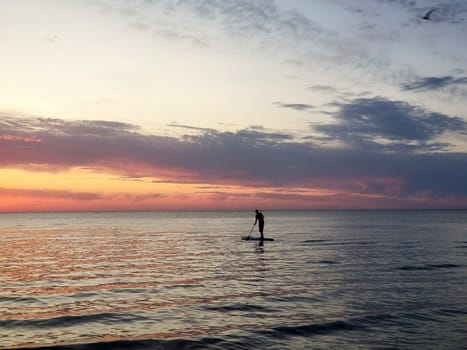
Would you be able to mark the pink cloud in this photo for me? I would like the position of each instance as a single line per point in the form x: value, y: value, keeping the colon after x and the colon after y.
x: 16, y: 138
x: 252, y: 158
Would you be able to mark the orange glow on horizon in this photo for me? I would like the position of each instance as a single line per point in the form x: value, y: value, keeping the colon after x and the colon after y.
x: 86, y: 189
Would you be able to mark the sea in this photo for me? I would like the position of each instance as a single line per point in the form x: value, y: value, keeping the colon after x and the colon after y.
x: 185, y: 280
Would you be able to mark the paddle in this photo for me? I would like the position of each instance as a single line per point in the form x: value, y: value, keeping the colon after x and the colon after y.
x: 252, y: 227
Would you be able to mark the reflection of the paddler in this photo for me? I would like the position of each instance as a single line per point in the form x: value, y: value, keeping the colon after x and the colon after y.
x: 259, y: 248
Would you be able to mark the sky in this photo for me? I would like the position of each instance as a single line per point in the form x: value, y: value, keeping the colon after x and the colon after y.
x: 232, y: 104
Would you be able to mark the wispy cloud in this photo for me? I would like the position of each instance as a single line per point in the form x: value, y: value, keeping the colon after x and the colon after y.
x: 295, y: 106
x: 434, y: 83
x: 259, y: 25
x: 238, y: 18
x: 54, y: 194
x: 323, y: 88
x: 20, y: 199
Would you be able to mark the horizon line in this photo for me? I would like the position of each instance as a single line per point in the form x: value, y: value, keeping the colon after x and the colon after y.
x: 223, y: 210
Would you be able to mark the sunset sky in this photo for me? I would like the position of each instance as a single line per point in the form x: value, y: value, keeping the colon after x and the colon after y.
x: 232, y: 104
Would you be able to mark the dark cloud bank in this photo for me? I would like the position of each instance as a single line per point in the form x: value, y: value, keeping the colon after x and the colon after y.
x: 386, y: 148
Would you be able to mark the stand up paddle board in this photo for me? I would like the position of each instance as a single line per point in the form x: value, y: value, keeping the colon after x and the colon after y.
x: 249, y: 238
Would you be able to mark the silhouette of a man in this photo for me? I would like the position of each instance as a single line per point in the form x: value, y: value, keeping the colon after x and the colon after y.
x: 259, y: 218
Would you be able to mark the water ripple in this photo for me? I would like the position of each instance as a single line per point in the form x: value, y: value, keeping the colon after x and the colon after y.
x: 185, y: 281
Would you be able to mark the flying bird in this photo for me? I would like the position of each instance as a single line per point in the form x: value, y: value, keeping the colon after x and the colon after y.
x: 427, y: 15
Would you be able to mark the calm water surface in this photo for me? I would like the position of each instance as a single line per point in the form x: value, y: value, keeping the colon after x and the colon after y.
x: 185, y: 280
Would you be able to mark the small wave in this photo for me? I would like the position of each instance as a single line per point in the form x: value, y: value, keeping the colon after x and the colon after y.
x: 312, y: 329
x: 184, y: 286
x: 414, y: 268
x: 69, y: 321
x: 427, y: 267
x: 452, y: 312
x: 463, y: 244
x: 293, y: 299
x: 445, y: 266
x: 322, y: 262
x: 144, y: 344
x: 358, y: 243
x: 16, y: 300
x: 312, y: 241
x: 238, y: 307
x: 328, y: 262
